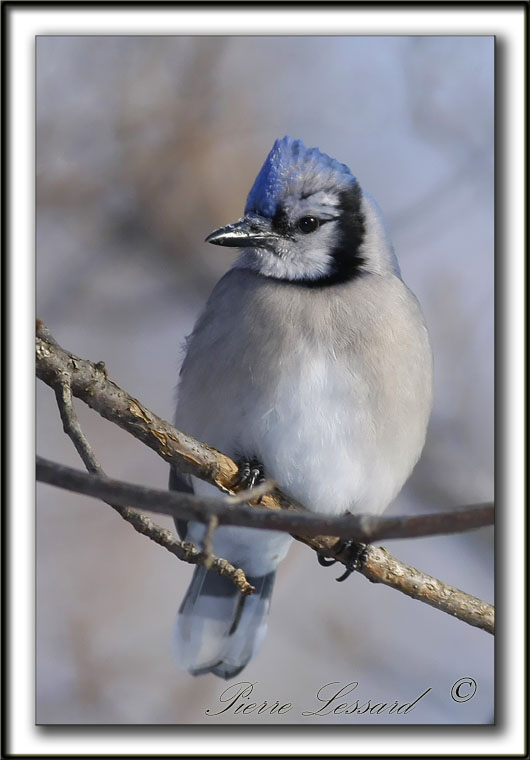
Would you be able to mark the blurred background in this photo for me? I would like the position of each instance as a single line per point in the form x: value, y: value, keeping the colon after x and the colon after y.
x: 146, y: 144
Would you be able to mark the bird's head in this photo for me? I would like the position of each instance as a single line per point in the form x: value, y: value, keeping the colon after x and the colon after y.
x: 307, y: 221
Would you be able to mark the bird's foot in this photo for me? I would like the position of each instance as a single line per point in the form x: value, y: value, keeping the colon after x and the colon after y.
x: 250, y: 474
x: 356, y: 555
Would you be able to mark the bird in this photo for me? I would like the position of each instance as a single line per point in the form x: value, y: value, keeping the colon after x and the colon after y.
x: 310, y: 364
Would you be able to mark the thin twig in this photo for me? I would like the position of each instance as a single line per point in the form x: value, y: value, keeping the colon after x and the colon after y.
x: 379, y: 565
x: 186, y: 506
x: 252, y: 494
x: 140, y: 522
x: 72, y: 428
x: 212, y: 524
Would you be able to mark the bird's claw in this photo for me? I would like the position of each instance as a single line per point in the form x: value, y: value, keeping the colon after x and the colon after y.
x: 355, y: 558
x: 250, y: 474
x: 325, y: 562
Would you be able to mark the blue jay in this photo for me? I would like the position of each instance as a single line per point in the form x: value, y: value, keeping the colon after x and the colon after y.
x: 311, y: 365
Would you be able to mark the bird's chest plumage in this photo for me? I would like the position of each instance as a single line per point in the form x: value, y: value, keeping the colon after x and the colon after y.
x: 300, y: 382
x: 309, y: 427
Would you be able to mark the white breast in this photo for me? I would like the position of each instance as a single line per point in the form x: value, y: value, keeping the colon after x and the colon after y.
x: 332, y: 398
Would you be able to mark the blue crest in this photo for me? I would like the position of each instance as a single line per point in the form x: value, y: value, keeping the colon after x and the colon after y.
x: 292, y: 169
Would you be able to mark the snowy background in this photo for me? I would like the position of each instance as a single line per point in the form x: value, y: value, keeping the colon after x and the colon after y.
x: 145, y: 145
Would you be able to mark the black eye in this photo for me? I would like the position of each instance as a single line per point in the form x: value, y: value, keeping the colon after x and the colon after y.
x: 307, y: 224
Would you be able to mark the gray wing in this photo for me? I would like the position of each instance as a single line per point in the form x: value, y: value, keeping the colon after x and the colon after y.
x: 180, y: 482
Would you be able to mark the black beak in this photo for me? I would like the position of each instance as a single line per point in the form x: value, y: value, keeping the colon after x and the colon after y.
x: 250, y: 231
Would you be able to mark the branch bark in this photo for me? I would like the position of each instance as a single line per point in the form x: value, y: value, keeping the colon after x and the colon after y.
x: 89, y: 382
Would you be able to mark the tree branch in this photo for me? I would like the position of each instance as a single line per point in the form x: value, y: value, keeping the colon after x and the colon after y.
x: 141, y: 523
x: 72, y: 428
x: 89, y: 382
x: 186, y: 506
x: 379, y: 565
